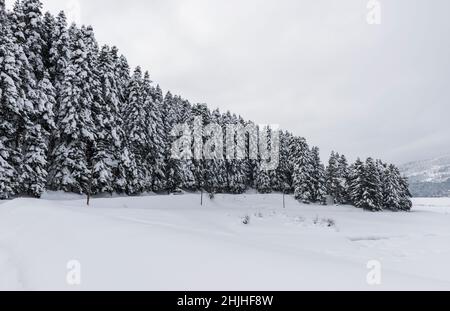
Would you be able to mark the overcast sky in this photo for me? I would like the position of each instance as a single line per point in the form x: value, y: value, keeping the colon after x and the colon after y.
x: 315, y: 67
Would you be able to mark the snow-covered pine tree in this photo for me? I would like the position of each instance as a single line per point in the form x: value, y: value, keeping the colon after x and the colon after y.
x: 147, y: 156
x: 184, y: 112
x: 396, y: 195
x: 179, y: 172
x: 343, y: 179
x: 200, y: 112
x: 38, y: 129
x: 355, y: 182
x: 106, y: 153
x: 127, y: 172
x: 157, y: 135
x: 35, y: 105
x: 11, y: 105
x: 136, y: 129
x: 391, y: 187
x: 372, y: 198
x: 318, y: 185
x: 7, y: 173
x: 59, y: 52
x: 405, y: 194
x: 246, y: 164
x: 48, y: 29
x: 158, y: 95
x: 215, y: 171
x: 236, y: 176
x: 32, y: 31
x: 122, y: 72
x: 333, y: 178
x: 9, y: 102
x: 70, y: 169
x: 170, y: 119
x: 282, y: 176
x: 263, y: 177
x: 252, y: 146
x: 336, y: 178
x: 34, y: 165
x: 302, y: 169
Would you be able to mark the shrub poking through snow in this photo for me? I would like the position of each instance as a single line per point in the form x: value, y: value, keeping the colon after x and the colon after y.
x: 246, y: 220
x: 329, y: 222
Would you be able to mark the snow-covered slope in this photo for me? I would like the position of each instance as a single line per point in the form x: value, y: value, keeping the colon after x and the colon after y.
x: 435, y: 170
x: 173, y: 243
x: 430, y: 178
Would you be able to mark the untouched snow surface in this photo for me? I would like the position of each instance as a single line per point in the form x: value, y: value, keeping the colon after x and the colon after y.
x: 173, y: 243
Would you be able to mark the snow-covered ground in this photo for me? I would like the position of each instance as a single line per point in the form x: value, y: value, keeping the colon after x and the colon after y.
x: 173, y: 243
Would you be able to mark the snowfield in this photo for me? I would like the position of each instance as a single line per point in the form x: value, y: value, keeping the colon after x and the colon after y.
x: 173, y: 243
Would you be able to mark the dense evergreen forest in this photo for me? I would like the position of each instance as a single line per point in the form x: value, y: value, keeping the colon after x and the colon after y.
x: 74, y: 117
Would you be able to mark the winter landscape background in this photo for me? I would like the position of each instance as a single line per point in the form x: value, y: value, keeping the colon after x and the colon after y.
x: 88, y: 142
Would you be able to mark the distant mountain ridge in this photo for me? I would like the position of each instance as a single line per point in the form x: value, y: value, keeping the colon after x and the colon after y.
x: 429, y: 178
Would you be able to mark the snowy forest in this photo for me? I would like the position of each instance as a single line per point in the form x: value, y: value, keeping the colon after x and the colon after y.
x: 74, y: 117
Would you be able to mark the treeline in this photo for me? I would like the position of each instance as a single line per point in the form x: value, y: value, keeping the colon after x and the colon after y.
x: 73, y: 118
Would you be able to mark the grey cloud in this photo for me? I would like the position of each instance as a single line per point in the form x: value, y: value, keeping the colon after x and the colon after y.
x: 314, y: 67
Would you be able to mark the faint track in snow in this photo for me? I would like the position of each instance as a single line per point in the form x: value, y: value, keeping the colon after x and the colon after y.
x: 374, y: 238
x: 172, y: 226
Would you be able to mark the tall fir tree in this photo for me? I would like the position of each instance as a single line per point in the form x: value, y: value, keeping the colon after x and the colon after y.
x: 136, y: 129
x: 108, y: 136
x: 372, y: 198
x: 201, y: 118
x: 127, y: 172
x: 355, y: 181
x: 157, y: 137
x: 236, y: 176
x: 71, y: 169
x: 405, y: 194
x: 282, y: 176
x: 318, y: 187
x: 9, y: 101
x: 332, y: 177
x: 59, y: 53
x: 33, y: 36
x: 302, y: 170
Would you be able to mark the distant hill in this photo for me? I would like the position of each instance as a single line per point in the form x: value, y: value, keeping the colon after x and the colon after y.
x: 429, y: 178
